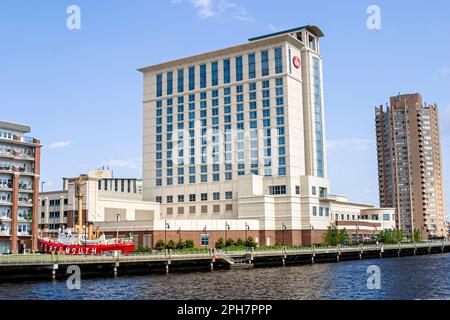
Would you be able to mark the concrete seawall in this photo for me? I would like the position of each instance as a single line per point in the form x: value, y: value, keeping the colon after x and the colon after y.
x: 51, y: 267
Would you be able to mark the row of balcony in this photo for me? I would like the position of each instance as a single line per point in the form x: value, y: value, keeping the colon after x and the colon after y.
x: 10, y: 169
x: 15, y: 155
x: 22, y: 187
x: 22, y: 229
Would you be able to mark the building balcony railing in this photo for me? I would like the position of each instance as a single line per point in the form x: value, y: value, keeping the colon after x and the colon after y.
x: 27, y: 139
x: 25, y: 187
x: 25, y: 202
x: 24, y: 233
x: 5, y: 233
x: 26, y: 218
x: 6, y: 153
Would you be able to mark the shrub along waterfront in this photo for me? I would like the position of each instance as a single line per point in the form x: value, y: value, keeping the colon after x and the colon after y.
x: 331, y: 238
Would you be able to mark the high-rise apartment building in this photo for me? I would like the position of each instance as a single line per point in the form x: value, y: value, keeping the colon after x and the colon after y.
x: 239, y: 133
x: 410, y: 164
x: 19, y: 188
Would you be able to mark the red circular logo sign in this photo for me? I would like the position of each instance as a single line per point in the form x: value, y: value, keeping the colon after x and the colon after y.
x: 296, y: 61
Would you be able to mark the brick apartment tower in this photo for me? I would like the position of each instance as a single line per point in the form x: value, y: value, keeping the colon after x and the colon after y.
x: 19, y: 188
x: 410, y: 164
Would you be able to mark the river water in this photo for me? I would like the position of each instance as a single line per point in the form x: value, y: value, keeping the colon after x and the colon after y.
x: 421, y: 277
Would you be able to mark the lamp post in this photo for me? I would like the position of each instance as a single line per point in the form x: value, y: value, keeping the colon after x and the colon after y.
x: 357, y: 234
x: 311, y: 238
x: 85, y: 238
x: 204, y: 233
x: 227, y: 227
x: 117, y: 226
x: 247, y: 227
x: 166, y: 226
x: 283, y: 228
x: 179, y: 234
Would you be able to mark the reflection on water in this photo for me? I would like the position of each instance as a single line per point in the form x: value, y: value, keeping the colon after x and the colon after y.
x: 424, y: 277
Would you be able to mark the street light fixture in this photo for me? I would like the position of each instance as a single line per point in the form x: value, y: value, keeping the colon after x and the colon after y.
x: 117, y: 226
x: 357, y: 234
x: 247, y: 227
x: 166, y: 227
x: 283, y: 227
x: 227, y: 227
x: 204, y: 233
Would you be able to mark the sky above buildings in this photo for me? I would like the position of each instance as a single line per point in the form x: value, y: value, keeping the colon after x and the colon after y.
x: 81, y: 94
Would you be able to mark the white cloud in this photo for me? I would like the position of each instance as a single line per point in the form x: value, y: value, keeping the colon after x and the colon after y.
x: 352, y: 144
x: 204, y: 8
x: 210, y: 8
x: 273, y: 28
x: 59, y: 144
x: 443, y: 72
x: 132, y: 164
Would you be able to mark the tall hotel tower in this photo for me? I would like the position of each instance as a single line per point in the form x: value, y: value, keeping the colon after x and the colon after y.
x: 19, y: 188
x: 239, y: 133
x: 410, y: 164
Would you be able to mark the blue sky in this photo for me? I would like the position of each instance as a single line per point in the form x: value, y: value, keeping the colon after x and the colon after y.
x: 81, y: 93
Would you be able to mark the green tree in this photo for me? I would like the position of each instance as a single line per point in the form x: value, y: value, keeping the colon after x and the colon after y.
x: 331, y: 236
x: 189, y: 244
x: 239, y: 242
x: 385, y: 237
x: 220, y: 243
x: 229, y: 243
x: 250, y: 242
x: 181, y: 244
x: 417, y: 235
x: 398, y: 235
x: 171, y: 245
x: 159, y: 245
x: 342, y: 236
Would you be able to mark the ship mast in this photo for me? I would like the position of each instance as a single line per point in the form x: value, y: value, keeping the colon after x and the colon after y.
x: 80, y: 195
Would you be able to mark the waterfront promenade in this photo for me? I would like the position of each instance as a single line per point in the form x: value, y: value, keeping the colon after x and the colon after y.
x: 55, y: 266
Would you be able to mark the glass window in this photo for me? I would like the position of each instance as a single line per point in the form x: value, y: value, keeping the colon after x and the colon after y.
x: 215, y: 73
x: 159, y: 85
x: 265, y: 63
x: 278, y: 60
x: 192, y: 81
x: 169, y: 83
x: 203, y: 76
x: 226, y: 71
x: 204, y: 240
x: 180, y: 80
x: 251, y: 66
x: 239, y: 69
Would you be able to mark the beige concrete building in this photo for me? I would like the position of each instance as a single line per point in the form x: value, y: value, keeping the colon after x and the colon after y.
x: 239, y: 134
x: 410, y: 164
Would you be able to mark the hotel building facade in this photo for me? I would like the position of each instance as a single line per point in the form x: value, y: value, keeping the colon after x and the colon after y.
x: 19, y: 187
x: 239, y: 134
x: 410, y: 164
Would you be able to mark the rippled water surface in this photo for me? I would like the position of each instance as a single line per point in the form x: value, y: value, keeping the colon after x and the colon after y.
x: 423, y: 277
